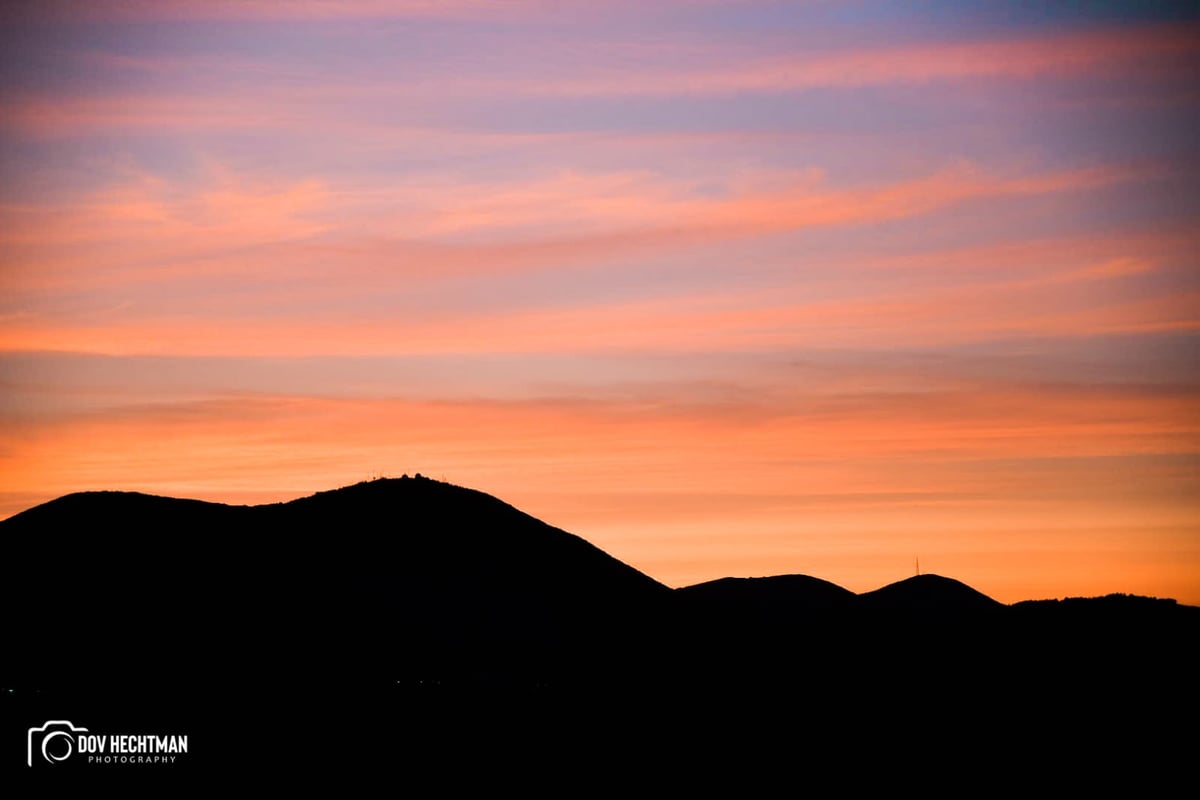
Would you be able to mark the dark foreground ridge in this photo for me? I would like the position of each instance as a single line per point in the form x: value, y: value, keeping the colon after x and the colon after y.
x: 439, y: 625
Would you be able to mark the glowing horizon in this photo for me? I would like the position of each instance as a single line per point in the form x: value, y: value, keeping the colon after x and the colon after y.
x: 725, y: 288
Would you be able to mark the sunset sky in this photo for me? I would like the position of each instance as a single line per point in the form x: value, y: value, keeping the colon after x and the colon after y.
x: 730, y: 287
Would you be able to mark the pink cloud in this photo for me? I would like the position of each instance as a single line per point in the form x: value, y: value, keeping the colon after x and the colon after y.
x: 1150, y: 46
x: 262, y: 10
x: 232, y: 245
x: 440, y: 225
x: 348, y: 105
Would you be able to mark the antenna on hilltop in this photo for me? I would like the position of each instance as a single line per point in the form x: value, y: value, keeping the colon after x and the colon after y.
x: 918, y: 566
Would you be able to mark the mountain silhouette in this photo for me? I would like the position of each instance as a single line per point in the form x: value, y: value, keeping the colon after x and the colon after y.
x: 454, y: 613
x: 779, y: 595
x: 460, y: 581
x: 416, y: 580
x: 928, y: 594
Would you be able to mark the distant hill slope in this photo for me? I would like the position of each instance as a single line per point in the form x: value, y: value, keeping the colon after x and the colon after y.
x: 928, y: 594
x: 784, y: 593
x: 766, y: 607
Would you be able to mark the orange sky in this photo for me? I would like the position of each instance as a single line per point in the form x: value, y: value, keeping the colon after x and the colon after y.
x: 726, y: 288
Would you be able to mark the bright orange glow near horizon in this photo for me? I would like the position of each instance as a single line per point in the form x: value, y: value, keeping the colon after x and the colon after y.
x: 725, y: 288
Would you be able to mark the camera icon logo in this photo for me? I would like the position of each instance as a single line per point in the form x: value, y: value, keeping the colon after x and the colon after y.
x: 55, y: 741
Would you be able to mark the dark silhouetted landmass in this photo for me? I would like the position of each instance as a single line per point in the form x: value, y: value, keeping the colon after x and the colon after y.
x: 782, y: 597
x: 929, y: 594
x: 409, y: 578
x: 439, y: 623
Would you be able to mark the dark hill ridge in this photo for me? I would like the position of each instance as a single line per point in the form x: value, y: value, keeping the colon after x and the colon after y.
x: 416, y: 528
x: 788, y: 593
x: 412, y: 614
x: 932, y: 594
x: 436, y: 561
x: 414, y: 581
x: 416, y: 525
x: 412, y: 576
x: 798, y: 596
x: 760, y: 606
x: 470, y: 535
